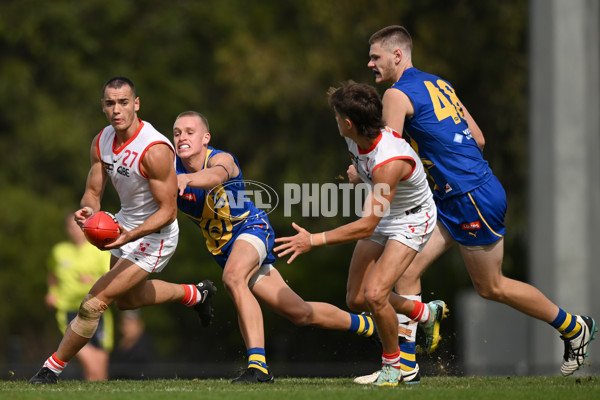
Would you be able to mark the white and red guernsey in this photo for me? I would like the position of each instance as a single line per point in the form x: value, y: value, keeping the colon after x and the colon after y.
x: 411, y: 192
x: 123, y: 167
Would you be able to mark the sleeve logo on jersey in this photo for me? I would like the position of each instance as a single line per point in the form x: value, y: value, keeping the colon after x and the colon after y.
x: 122, y: 170
x: 107, y: 166
x: 353, y: 158
x: 471, y: 226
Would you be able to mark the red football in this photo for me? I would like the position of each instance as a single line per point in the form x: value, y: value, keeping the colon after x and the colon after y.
x: 101, y: 229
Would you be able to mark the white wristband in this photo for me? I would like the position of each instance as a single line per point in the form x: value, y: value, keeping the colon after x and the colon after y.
x: 324, y: 241
x: 311, y: 242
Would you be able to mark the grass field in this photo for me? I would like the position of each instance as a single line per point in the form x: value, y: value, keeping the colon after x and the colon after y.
x: 447, y: 388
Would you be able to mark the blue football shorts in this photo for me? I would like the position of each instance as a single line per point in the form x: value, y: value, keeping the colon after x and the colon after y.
x: 262, y: 231
x: 475, y: 218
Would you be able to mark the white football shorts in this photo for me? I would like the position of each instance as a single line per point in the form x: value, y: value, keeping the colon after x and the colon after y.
x: 152, y: 252
x: 413, y: 230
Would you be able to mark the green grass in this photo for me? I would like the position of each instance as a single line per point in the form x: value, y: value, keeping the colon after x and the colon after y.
x: 447, y: 388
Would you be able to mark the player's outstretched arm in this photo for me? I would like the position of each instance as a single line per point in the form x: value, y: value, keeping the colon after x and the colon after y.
x: 304, y: 241
x: 386, y: 180
x: 220, y: 169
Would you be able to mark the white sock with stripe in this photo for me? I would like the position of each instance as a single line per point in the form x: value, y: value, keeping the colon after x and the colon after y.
x: 192, y: 295
x: 55, y: 365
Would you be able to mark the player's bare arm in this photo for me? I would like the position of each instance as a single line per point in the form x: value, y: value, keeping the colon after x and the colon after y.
x: 385, y: 180
x: 220, y: 168
x: 473, y: 127
x: 396, y: 108
x: 94, y: 187
x: 157, y: 165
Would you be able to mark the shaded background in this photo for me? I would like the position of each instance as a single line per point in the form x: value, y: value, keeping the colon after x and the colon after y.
x: 259, y: 71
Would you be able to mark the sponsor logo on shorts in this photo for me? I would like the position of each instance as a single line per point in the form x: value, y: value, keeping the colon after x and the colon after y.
x: 471, y: 226
x: 189, y: 197
x: 142, y: 251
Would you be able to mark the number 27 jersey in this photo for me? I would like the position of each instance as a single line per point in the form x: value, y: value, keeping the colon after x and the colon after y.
x: 123, y: 166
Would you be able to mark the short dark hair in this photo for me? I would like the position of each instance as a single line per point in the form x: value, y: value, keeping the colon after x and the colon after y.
x: 361, y: 104
x: 117, y: 82
x: 394, y: 34
x: 195, y: 114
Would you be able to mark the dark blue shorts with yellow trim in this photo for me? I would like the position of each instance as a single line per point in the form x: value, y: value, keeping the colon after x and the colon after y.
x: 259, y: 227
x: 475, y: 218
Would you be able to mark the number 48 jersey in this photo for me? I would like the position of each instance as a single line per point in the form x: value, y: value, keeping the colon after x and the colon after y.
x: 440, y: 135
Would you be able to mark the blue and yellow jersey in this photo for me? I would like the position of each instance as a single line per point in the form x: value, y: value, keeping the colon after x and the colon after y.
x: 224, y: 212
x: 440, y: 135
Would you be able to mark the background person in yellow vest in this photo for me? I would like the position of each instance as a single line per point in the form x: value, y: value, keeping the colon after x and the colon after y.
x: 73, y: 267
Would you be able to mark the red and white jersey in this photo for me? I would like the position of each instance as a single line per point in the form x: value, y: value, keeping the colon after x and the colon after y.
x: 412, y: 191
x: 123, y: 167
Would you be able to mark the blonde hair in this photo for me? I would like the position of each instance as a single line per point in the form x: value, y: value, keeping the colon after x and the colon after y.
x: 194, y: 114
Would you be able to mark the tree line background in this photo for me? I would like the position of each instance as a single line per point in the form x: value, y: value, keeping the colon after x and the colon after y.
x: 259, y: 71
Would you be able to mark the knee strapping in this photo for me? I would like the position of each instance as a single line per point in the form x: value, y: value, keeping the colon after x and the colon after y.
x: 88, y: 316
